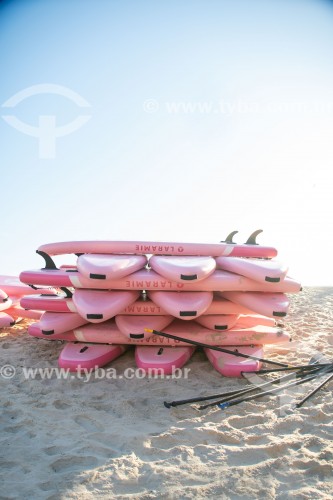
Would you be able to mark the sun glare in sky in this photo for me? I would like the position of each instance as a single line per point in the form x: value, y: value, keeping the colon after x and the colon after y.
x: 144, y: 120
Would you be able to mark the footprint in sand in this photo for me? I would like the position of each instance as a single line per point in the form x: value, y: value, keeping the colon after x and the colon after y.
x: 73, y: 463
x: 7, y: 464
x: 13, y: 429
x: 48, y: 486
x: 6, y: 345
x: 239, y: 423
x: 11, y: 415
x: 61, y: 405
x: 88, y: 423
x: 53, y: 450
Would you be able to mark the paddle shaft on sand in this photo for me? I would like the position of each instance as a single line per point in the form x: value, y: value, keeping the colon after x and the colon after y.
x: 315, y: 390
x: 244, y: 392
x: 290, y: 368
x: 225, y: 394
x: 214, y: 348
x: 225, y: 404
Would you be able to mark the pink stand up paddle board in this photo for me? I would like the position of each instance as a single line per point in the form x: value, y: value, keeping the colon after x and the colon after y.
x: 218, y: 321
x: 45, y: 302
x: 149, y: 280
x: 78, y: 356
x: 6, y: 320
x: 249, y: 249
x: 104, y: 267
x: 271, y: 271
x: 232, y: 366
x: 108, y: 333
x: 5, y: 304
x: 61, y: 303
x: 184, y: 305
x: 99, y: 305
x: 18, y: 312
x: 53, y: 323
x: 134, y: 326
x: 12, y: 285
x: 267, y: 304
x: 163, y: 359
x: 183, y: 268
x: 250, y: 320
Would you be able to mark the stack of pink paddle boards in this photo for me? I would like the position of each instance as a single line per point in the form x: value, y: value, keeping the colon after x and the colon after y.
x: 11, y: 291
x: 223, y: 294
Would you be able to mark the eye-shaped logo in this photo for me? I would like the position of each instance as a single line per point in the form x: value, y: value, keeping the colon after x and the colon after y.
x: 46, y: 132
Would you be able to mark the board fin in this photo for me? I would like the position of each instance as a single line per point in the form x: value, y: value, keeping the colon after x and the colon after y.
x: 49, y: 263
x: 229, y: 238
x: 252, y: 239
x: 67, y: 292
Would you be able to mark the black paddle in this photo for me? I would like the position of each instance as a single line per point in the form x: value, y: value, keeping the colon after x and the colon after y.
x: 223, y: 404
x: 243, y: 392
x: 312, y: 393
x: 198, y: 399
x: 290, y: 368
x: 214, y: 348
x: 181, y: 402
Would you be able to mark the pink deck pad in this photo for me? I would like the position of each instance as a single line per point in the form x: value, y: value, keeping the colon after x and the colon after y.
x: 256, y: 269
x: 165, y: 359
x: 109, y: 266
x: 149, y: 280
x: 183, y: 268
x: 268, y: 304
x: 78, y: 356
x: 161, y: 248
x: 184, y: 305
x: 232, y: 366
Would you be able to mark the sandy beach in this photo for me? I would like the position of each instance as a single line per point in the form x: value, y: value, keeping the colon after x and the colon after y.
x: 113, y: 438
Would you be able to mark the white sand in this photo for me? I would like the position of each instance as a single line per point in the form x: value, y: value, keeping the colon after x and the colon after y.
x: 67, y: 439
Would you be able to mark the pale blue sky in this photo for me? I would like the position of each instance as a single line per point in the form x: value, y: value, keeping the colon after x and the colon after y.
x: 258, y: 156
